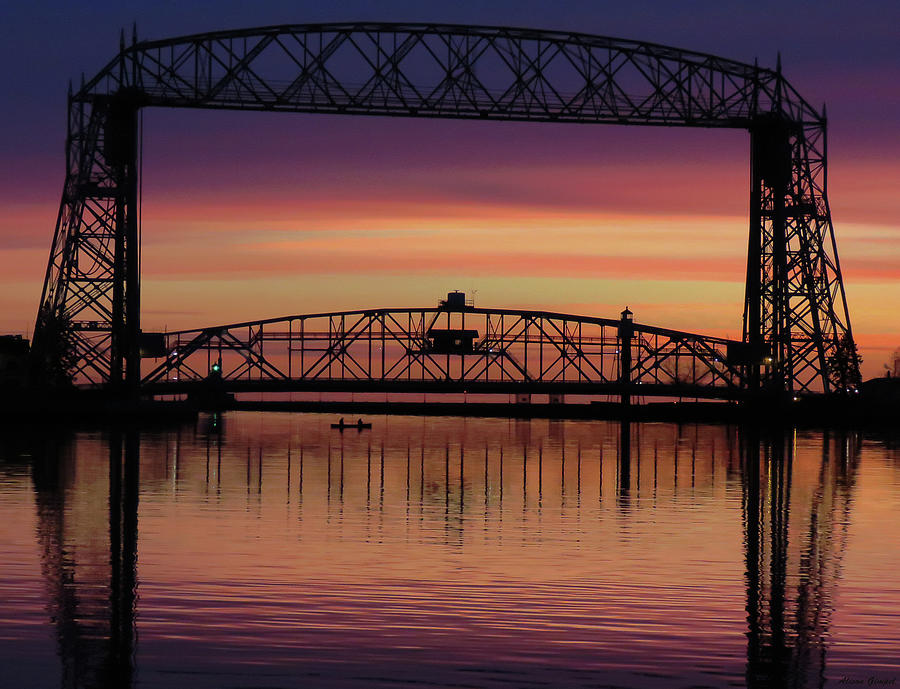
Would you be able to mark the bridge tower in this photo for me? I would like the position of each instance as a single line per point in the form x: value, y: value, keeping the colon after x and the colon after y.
x: 88, y: 324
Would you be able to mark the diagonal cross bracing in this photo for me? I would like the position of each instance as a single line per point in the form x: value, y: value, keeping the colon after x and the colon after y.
x: 383, y: 349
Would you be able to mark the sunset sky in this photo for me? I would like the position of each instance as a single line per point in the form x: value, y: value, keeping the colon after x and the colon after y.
x: 252, y: 215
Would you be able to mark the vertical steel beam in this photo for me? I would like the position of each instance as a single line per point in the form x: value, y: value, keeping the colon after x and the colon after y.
x: 121, y: 150
x: 753, y: 334
x: 767, y: 322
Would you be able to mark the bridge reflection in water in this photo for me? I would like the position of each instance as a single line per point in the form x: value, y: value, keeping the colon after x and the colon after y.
x: 477, y: 486
x: 88, y: 530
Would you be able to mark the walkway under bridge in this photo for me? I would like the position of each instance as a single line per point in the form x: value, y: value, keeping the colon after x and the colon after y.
x: 451, y: 348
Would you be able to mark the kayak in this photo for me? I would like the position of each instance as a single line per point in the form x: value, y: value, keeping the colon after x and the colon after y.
x: 359, y: 425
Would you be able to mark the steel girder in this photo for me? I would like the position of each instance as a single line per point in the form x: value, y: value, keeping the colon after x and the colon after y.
x: 795, y: 314
x: 406, y: 349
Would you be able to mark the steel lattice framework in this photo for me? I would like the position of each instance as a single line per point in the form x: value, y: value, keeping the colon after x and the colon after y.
x: 447, y: 349
x: 796, y: 321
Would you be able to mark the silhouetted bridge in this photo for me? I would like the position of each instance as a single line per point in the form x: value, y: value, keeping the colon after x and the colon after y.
x: 796, y: 324
x: 453, y: 347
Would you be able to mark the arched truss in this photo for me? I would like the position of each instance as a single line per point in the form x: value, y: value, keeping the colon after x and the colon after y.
x: 450, y: 348
x: 795, y: 315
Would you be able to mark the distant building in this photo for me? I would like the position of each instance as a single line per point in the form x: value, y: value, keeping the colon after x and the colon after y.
x: 13, y: 360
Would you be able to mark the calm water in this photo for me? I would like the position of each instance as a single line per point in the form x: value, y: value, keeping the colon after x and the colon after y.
x: 267, y: 550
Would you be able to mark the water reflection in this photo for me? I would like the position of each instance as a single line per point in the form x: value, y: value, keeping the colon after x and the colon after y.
x: 471, y: 487
x: 90, y: 568
x: 795, y: 535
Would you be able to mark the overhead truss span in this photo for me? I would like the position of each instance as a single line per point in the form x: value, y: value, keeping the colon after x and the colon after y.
x: 795, y: 315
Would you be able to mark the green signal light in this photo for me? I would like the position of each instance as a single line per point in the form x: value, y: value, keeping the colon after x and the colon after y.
x: 216, y: 368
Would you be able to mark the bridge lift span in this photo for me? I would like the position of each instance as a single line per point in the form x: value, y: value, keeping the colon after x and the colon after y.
x: 796, y: 326
x: 450, y: 348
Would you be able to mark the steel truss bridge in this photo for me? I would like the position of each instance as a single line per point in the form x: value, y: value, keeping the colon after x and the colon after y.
x: 451, y: 349
x: 796, y: 326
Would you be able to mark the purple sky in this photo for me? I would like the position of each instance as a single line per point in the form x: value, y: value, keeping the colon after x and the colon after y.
x: 280, y: 175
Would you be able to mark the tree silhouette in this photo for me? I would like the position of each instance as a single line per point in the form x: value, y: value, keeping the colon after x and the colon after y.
x: 843, y: 365
x: 53, y: 356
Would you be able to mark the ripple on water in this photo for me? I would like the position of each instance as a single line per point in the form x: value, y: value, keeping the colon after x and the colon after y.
x: 449, y: 552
